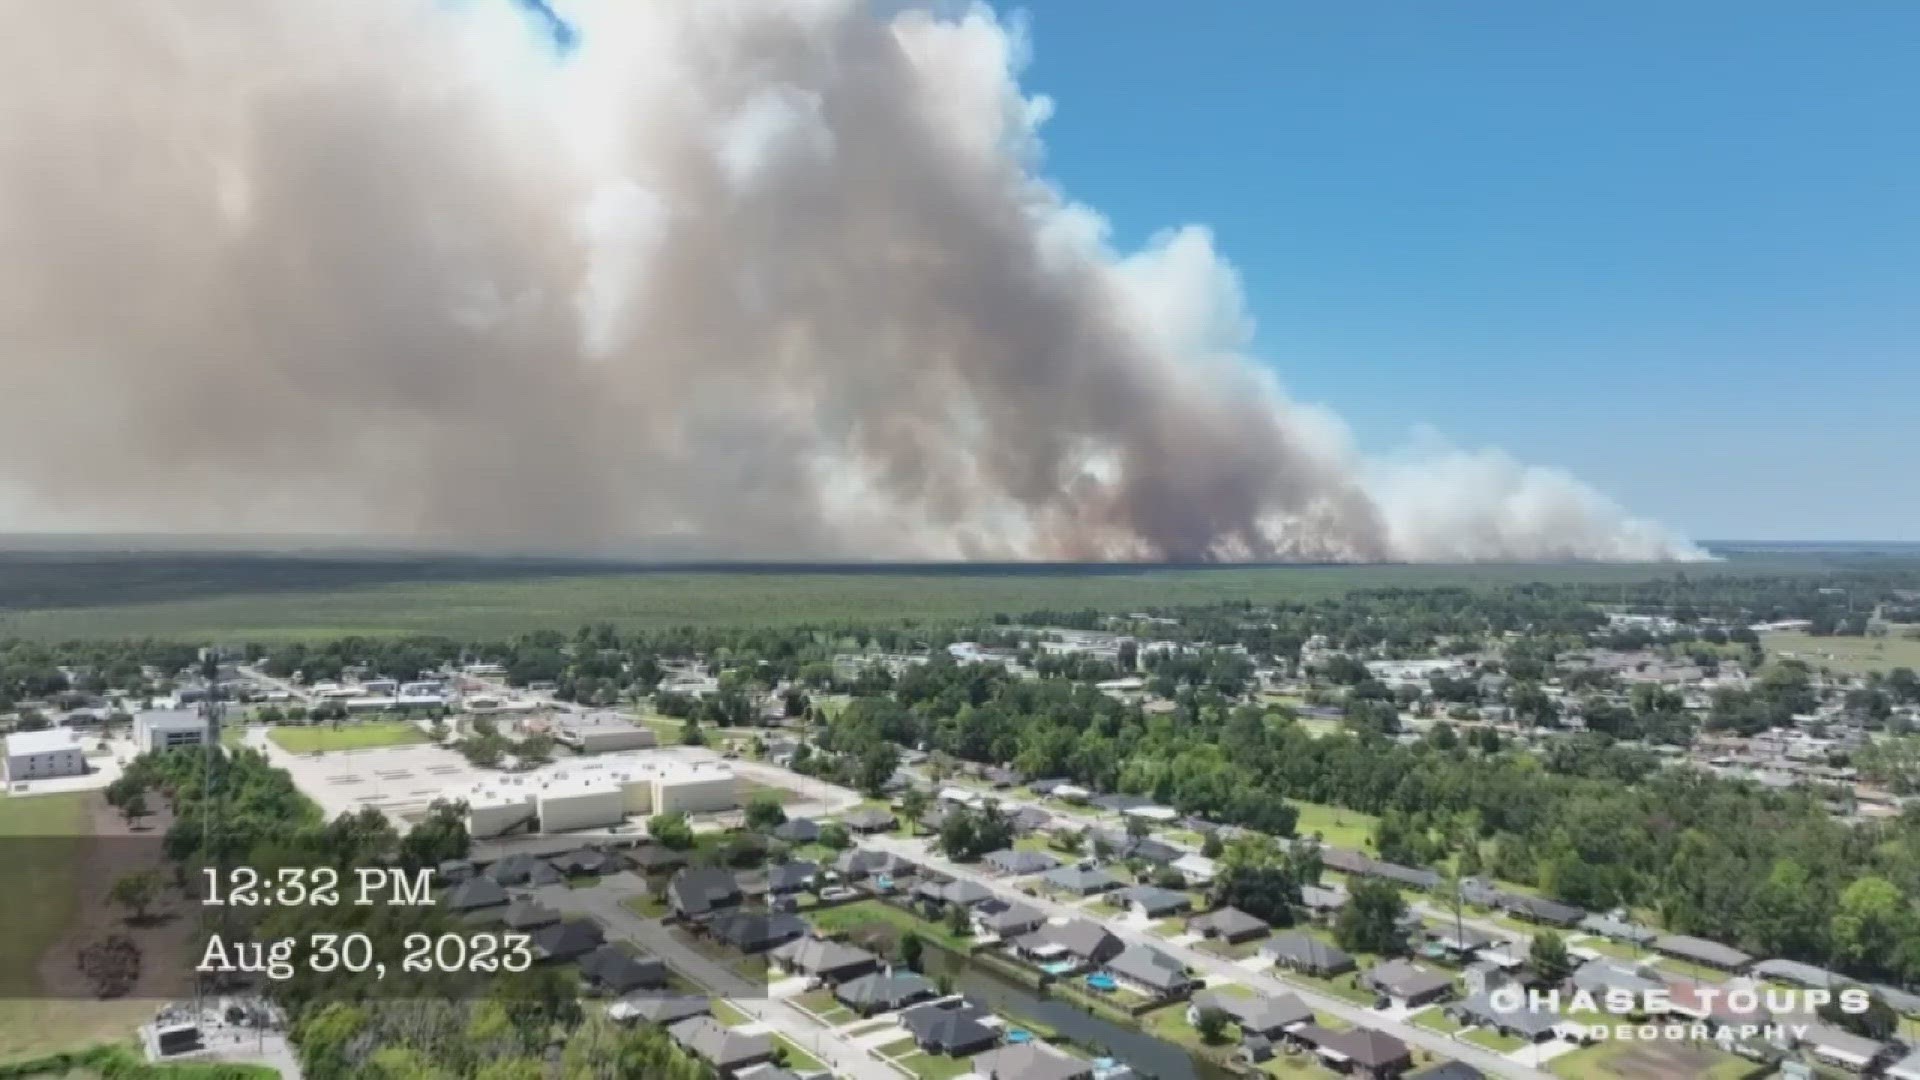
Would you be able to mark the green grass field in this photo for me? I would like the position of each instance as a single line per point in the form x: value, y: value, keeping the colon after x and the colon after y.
x: 38, y: 909
x: 1852, y: 654
x: 1337, y: 827
x: 499, y: 608
x: 352, y: 735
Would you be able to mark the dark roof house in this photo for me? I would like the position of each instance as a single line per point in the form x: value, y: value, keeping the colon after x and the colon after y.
x: 1408, y: 984
x: 1296, y: 951
x: 1081, y: 882
x: 617, y: 971
x: 825, y: 959
x: 1030, y: 1061
x: 1150, y: 971
x: 954, y: 1027
x: 696, y: 893
x: 723, y: 1048
x: 884, y: 991
x: 567, y: 940
x: 1155, y: 902
x: 1229, y: 924
x: 1015, y: 863
x: 756, y: 931
x: 475, y: 893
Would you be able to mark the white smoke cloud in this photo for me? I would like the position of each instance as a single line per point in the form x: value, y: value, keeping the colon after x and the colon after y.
x: 781, y: 276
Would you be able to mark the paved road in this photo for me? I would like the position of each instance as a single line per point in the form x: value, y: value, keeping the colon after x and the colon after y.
x: 1491, y: 1063
x: 603, y: 903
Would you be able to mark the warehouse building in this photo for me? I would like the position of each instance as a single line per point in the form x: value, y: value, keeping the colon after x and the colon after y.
x: 603, y: 733
x: 159, y: 730
x: 43, y: 755
x: 597, y: 796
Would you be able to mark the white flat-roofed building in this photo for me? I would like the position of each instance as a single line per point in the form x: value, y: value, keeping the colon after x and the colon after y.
x: 604, y: 732
x: 599, y: 794
x: 42, y: 755
x: 159, y: 730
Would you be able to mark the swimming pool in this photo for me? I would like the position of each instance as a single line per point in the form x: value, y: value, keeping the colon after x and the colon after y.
x: 1102, y: 982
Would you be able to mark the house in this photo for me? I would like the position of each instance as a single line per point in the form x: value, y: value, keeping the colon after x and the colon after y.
x: 1197, y: 870
x: 1411, y: 876
x: 1701, y: 951
x: 1005, y: 919
x: 1030, y: 1061
x: 797, y: 831
x: 1526, y: 1023
x: 869, y: 819
x: 1028, y: 820
x: 1081, y: 880
x: 1228, y: 924
x: 1087, y: 943
x: 1854, y: 1053
x: 725, y: 1049
x: 884, y: 991
x: 1407, y: 984
x: 1014, y: 863
x: 1602, y: 977
x: 528, y: 914
x: 1047, y: 786
x: 617, y: 971
x: 824, y: 960
x: 454, y: 871
x: 1621, y: 930
x: 1534, y: 909
x: 474, y: 894
x: 1153, y: 902
x: 567, y: 940
x: 1145, y: 848
x: 1799, y: 974
x: 524, y: 870
x: 1323, y: 901
x: 955, y: 1027
x: 855, y: 865
x: 648, y: 1007
x: 756, y: 931
x: 1456, y: 942
x: 1364, y: 1053
x: 1304, y: 953
x: 1150, y: 973
x: 791, y: 877
x: 1269, y: 1017
x: 584, y: 863
x: 939, y: 894
x: 1254, y: 1049
x: 698, y: 892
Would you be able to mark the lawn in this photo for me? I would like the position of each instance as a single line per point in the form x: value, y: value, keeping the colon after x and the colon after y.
x: 729, y: 1014
x: 934, y: 1066
x: 645, y: 906
x: 1851, y: 654
x: 1619, y: 950
x: 799, y: 1060
x: 1337, y: 827
x: 865, y: 913
x: 1691, y: 970
x: 352, y: 735
x: 1435, y: 1019
x: 1630, y: 1060
x: 822, y: 1004
x: 1493, y: 1040
x: 40, y: 901
x: 1297, y: 1066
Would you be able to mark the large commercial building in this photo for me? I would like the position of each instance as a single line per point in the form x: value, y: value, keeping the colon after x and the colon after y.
x: 43, y: 755
x: 158, y: 730
x: 603, y: 733
x: 599, y: 795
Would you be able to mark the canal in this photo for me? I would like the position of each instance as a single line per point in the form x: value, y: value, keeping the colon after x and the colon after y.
x: 1149, y: 1056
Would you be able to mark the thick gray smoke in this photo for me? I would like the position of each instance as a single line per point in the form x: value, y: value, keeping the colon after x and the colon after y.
x: 782, y: 277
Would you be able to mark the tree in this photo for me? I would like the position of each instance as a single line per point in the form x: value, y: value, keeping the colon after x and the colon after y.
x: 1371, y: 920
x: 834, y: 834
x: 438, y: 837
x: 911, y: 949
x: 764, y: 812
x: 913, y: 806
x: 1878, y: 1022
x: 1869, y: 921
x: 671, y: 830
x: 958, y: 923
x: 878, y: 762
x: 1210, y: 845
x: 1211, y: 1023
x: 1138, y: 828
x: 1548, y: 955
x: 136, y: 892
x: 135, y: 807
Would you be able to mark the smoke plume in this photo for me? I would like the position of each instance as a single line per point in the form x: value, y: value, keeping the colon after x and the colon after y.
x: 781, y: 276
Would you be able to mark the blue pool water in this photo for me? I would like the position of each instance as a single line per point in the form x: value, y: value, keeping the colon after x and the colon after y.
x: 1101, y: 982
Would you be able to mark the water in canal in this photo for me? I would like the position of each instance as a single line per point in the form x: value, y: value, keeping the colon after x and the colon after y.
x: 1149, y: 1056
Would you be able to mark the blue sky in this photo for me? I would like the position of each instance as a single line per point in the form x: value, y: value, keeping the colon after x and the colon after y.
x: 1673, y: 248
